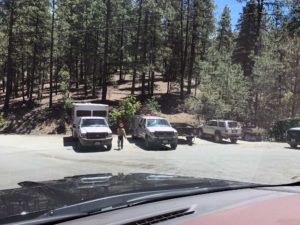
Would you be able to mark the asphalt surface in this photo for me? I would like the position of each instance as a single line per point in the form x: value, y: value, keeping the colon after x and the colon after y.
x: 40, y: 158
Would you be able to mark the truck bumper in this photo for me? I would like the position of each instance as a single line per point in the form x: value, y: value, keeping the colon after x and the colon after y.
x: 164, y: 141
x: 231, y: 136
x: 95, y: 142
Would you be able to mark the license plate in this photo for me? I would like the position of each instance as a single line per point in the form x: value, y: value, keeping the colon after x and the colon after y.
x: 293, y: 140
x: 97, y: 143
x: 165, y: 142
x: 234, y: 131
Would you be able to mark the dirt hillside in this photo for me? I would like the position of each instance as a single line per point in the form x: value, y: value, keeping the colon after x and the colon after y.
x: 37, y: 119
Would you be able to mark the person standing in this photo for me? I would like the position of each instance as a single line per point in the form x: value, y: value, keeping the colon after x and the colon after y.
x: 121, y: 135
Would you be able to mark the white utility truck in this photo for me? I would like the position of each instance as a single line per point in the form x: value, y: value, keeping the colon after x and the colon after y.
x: 154, y: 130
x: 90, y: 125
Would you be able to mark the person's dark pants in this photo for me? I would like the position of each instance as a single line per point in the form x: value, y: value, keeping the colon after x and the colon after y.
x: 120, y: 141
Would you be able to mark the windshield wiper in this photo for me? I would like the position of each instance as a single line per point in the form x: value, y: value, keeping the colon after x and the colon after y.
x: 122, y: 201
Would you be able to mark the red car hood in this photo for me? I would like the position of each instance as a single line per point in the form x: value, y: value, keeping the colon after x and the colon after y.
x: 283, y: 211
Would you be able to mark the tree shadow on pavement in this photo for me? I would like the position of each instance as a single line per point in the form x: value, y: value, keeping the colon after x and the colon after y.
x: 70, y: 142
x: 141, y: 144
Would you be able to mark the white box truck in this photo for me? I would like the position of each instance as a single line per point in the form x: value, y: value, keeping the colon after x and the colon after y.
x: 90, y: 125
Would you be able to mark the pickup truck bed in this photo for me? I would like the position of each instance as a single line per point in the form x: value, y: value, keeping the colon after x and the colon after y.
x: 186, y: 130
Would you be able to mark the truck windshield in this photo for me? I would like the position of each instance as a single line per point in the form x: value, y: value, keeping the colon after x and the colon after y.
x: 157, y: 123
x: 93, y: 123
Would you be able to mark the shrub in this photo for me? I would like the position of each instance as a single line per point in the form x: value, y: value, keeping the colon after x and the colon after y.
x: 126, y: 110
x: 151, y: 106
x: 65, y: 87
x: 2, y: 120
x: 279, y: 128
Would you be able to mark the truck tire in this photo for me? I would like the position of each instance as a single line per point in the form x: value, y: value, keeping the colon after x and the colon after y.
x: 189, y: 140
x: 233, y: 140
x: 174, y: 145
x: 217, y: 137
x: 74, y: 136
x: 147, y: 143
x: 293, y: 145
x: 200, y: 133
x: 79, y: 146
x: 108, y: 147
x: 133, y: 136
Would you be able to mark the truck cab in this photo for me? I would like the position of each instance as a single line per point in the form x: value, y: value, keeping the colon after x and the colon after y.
x: 154, y: 130
x: 90, y: 125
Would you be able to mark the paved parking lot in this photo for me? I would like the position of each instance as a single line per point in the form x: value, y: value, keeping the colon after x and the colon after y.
x: 39, y: 158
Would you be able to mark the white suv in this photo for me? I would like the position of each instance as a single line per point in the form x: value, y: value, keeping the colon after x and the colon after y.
x: 219, y: 129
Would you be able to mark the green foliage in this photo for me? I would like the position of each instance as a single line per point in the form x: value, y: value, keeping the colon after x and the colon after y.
x: 125, y: 112
x: 279, y: 128
x: 224, y: 90
x: 64, y: 87
x: 151, y: 106
x: 2, y: 120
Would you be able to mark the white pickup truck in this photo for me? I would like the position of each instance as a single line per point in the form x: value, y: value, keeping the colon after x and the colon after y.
x: 90, y: 125
x: 154, y: 130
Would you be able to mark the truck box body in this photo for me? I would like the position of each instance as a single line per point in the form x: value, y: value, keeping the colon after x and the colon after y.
x: 88, y: 110
x: 90, y: 125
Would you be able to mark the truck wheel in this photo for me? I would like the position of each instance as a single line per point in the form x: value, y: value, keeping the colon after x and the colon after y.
x: 200, y: 133
x: 108, y: 147
x: 189, y: 140
x: 293, y: 145
x: 147, y: 143
x: 233, y: 140
x: 217, y: 138
x: 173, y: 146
x: 74, y: 136
x: 133, y: 136
x: 79, y: 146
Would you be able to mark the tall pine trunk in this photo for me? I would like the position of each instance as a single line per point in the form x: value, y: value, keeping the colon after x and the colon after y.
x: 121, y: 51
x: 105, y: 58
x: 136, y: 47
x: 184, y: 46
x: 10, y: 47
x: 51, y: 54
x: 192, y: 56
x: 144, y: 61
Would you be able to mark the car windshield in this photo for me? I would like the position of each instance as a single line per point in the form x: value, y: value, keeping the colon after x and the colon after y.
x: 157, y: 123
x: 90, y: 89
x: 93, y: 123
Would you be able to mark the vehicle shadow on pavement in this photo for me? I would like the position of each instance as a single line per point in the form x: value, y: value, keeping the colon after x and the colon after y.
x: 140, y: 143
x: 183, y: 141
x: 70, y: 142
x: 297, y: 148
x: 225, y: 142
